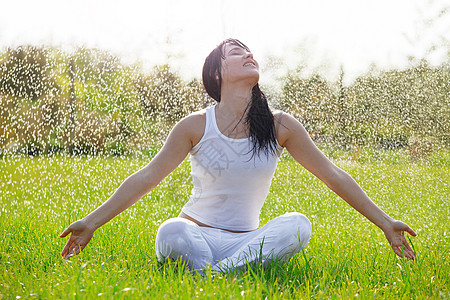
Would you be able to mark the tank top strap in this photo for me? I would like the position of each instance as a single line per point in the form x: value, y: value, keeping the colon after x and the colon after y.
x: 209, y: 128
x: 210, y: 119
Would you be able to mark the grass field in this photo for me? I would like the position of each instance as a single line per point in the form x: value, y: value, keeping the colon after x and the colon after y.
x: 347, y: 256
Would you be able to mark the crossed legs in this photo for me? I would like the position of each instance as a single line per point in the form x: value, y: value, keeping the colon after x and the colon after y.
x: 280, y: 239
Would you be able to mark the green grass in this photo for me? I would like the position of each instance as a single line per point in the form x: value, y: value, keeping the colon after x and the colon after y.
x: 347, y: 256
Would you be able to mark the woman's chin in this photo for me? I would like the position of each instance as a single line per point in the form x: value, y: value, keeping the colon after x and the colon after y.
x: 253, y: 78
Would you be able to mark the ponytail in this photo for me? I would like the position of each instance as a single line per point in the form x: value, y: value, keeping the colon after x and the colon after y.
x: 261, y: 124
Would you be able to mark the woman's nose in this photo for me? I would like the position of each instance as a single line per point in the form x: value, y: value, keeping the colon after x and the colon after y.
x: 249, y: 54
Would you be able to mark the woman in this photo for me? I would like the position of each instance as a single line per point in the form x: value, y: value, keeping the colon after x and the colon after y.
x: 234, y: 148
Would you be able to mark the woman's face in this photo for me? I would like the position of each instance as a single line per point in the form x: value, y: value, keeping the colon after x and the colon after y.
x: 239, y: 65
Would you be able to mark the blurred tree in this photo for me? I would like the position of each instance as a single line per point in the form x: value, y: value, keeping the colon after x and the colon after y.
x: 88, y: 102
x: 25, y: 72
x: 311, y: 100
x: 399, y: 104
x: 164, y: 95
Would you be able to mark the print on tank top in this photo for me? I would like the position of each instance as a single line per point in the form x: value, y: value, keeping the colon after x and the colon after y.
x: 213, y: 162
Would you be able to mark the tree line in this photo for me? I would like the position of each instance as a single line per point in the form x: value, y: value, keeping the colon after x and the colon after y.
x: 391, y: 109
x: 88, y: 102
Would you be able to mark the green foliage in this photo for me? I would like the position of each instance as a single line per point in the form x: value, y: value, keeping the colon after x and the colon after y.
x: 165, y: 95
x: 26, y: 72
x: 389, y: 110
x: 309, y: 99
x: 347, y: 256
x: 404, y: 104
x: 87, y: 102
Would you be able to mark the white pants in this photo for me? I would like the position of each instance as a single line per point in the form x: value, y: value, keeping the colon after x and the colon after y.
x: 201, y: 247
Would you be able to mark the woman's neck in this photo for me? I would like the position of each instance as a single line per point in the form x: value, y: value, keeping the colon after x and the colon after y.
x: 234, y: 102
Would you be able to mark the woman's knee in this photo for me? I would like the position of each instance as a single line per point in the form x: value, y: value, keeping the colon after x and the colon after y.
x: 181, y: 238
x: 298, y: 226
x: 173, y: 226
x: 172, y: 238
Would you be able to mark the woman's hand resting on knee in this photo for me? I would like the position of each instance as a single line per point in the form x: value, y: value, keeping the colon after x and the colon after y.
x: 80, y: 236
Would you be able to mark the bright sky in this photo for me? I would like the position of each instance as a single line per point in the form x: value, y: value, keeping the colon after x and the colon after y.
x: 322, y: 34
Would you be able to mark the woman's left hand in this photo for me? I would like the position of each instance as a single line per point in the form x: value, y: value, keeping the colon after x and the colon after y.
x: 395, y: 234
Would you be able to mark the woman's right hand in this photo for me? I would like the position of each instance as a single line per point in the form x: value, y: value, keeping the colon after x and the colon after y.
x: 80, y: 236
x: 395, y: 234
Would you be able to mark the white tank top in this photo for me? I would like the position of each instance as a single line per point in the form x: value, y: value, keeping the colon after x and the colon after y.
x: 230, y: 185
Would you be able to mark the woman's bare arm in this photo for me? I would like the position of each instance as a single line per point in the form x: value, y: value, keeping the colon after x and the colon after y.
x: 174, y: 151
x: 292, y: 135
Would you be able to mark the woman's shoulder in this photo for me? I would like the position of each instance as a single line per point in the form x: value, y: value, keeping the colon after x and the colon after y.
x: 282, y: 118
x: 285, y: 125
x: 194, y: 125
x: 195, y: 118
x: 277, y: 113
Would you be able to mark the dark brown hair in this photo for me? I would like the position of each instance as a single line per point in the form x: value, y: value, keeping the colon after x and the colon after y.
x: 259, y: 117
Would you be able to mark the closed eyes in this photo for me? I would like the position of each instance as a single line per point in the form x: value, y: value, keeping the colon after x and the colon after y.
x: 236, y: 51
